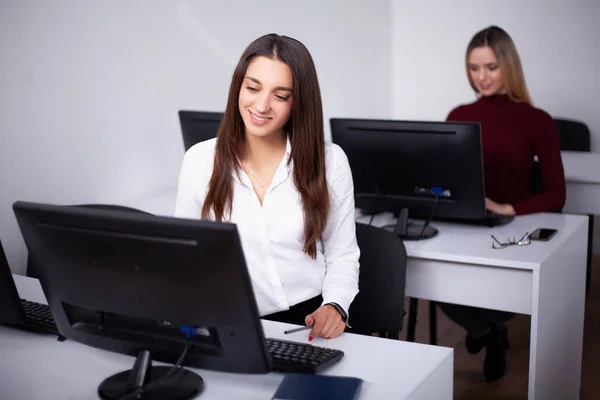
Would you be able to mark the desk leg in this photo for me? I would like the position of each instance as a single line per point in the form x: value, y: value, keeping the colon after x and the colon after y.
x: 433, y: 323
x: 412, y: 319
x: 590, y: 251
x: 557, y: 323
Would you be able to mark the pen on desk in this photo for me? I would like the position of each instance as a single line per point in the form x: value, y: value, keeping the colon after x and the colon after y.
x: 303, y: 328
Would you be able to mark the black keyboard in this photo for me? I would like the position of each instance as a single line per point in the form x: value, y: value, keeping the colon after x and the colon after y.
x: 38, y: 316
x: 301, y: 358
x: 490, y: 220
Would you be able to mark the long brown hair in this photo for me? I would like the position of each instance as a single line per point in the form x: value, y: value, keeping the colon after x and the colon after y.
x: 508, y: 60
x: 305, y: 130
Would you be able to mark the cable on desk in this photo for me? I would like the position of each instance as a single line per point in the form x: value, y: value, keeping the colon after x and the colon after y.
x: 426, y: 224
x: 376, y: 208
x: 371, y: 220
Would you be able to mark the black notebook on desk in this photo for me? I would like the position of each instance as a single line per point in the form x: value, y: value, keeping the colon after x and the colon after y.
x: 318, y: 387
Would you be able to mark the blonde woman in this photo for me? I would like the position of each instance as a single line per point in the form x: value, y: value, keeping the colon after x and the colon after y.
x: 513, y: 132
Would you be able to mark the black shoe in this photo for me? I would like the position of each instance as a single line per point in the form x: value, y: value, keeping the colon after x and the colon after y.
x: 496, y: 343
x: 475, y: 344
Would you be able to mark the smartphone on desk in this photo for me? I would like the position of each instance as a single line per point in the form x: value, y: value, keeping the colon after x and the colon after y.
x: 543, y: 234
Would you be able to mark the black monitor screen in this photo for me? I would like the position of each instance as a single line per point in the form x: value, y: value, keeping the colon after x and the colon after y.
x: 198, y: 126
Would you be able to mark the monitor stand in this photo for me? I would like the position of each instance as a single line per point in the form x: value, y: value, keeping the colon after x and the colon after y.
x: 146, y: 382
x: 410, y: 230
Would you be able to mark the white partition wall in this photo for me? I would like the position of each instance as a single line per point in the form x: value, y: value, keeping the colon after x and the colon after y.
x: 90, y: 90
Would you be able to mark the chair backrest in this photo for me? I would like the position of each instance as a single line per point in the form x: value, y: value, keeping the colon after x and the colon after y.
x: 379, y: 306
x: 32, y: 270
x: 536, y: 177
x: 574, y: 135
x: 536, y: 181
x: 198, y: 126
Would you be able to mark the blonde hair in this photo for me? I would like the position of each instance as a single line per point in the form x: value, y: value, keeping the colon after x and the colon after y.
x: 508, y: 61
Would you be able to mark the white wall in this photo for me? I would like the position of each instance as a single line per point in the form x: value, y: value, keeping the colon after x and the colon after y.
x: 558, y: 42
x: 91, y: 89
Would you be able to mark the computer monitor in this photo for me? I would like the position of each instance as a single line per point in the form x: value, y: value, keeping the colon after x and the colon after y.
x: 198, y: 126
x: 425, y: 169
x: 136, y: 283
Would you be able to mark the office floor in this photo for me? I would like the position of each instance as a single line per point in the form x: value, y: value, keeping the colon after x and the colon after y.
x: 468, y: 369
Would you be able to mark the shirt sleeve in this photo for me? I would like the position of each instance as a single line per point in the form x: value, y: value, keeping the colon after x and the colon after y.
x: 339, y: 238
x: 192, y: 185
x: 546, y: 145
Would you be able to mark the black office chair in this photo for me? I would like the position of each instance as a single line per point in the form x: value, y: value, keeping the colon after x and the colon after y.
x: 31, y: 267
x: 198, y: 126
x: 379, y: 306
x: 573, y: 136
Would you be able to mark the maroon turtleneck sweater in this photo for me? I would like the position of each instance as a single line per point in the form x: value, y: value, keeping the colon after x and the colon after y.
x: 512, y: 134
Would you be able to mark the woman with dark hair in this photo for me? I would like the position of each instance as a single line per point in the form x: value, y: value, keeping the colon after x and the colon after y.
x: 291, y: 194
x: 513, y: 133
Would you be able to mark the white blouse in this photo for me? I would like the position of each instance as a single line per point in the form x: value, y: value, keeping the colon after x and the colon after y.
x: 272, y: 235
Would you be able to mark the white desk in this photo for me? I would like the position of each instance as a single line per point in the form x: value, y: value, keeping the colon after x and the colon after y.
x: 582, y: 173
x: 35, y: 366
x: 545, y: 280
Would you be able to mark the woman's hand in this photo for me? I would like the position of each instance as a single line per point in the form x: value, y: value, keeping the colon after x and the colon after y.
x: 506, y: 209
x: 326, y: 322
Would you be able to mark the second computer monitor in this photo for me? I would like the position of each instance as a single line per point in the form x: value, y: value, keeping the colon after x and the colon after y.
x: 412, y: 165
x: 198, y: 126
